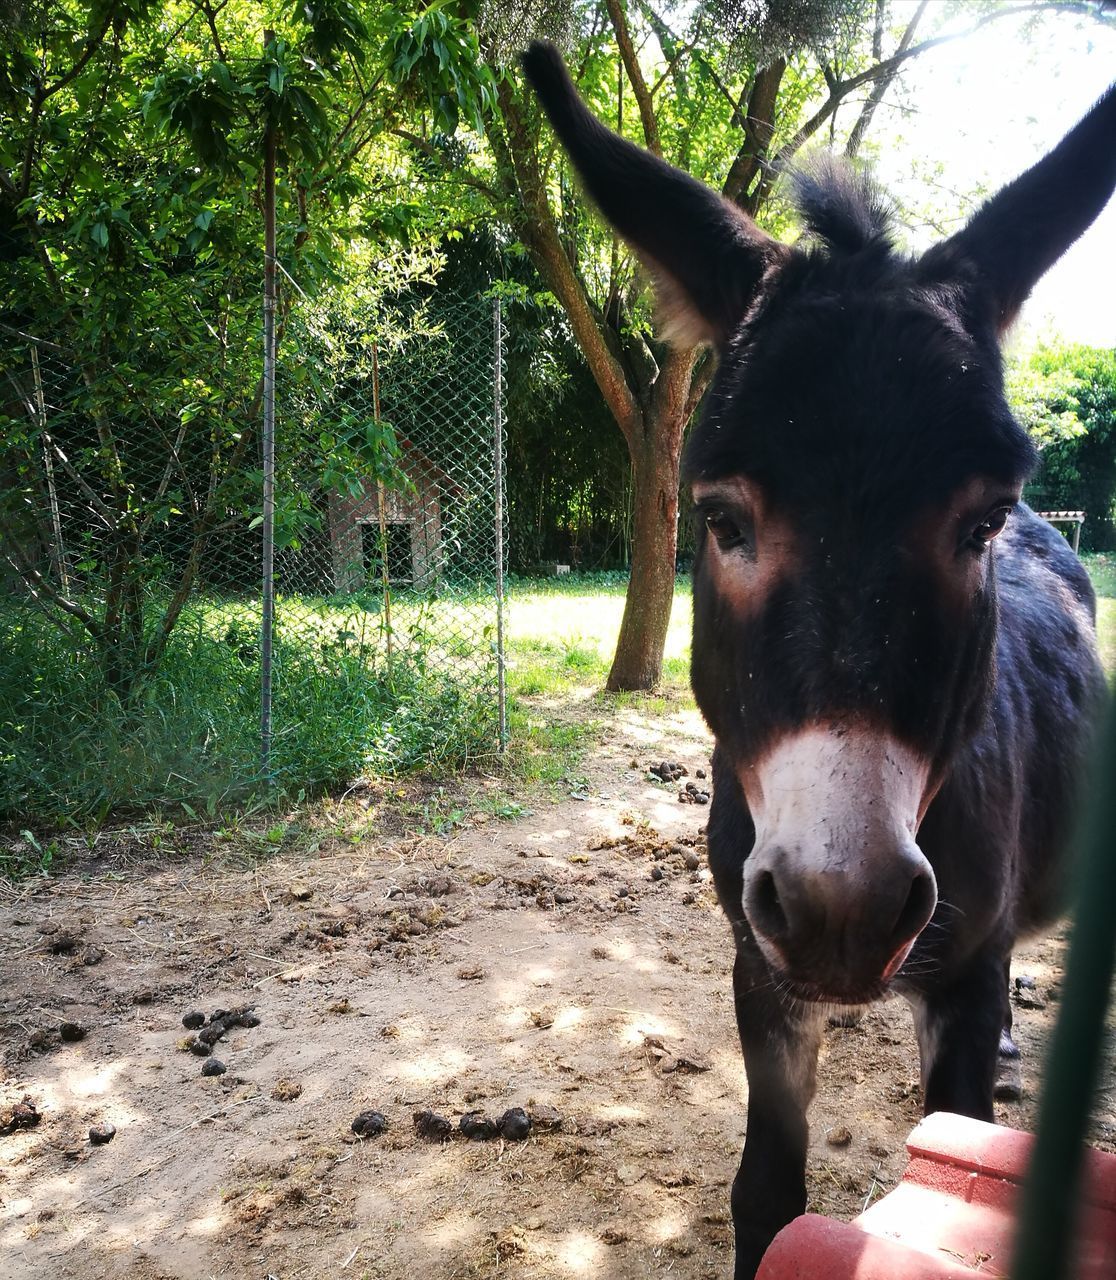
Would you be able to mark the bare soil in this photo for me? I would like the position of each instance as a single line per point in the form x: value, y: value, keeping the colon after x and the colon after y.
x: 572, y: 962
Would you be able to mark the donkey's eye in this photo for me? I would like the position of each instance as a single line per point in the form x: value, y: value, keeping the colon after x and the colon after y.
x: 992, y: 525
x: 724, y: 528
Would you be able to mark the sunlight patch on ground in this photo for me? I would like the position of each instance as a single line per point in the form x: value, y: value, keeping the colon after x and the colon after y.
x: 667, y: 1227
x: 619, y: 1112
x: 78, y: 1224
x: 542, y: 976
x: 521, y: 1018
x: 569, y: 1019
x: 15, y: 1208
x: 549, y: 837
x: 641, y: 731
x: 650, y: 728
x: 660, y: 808
x: 643, y: 1025
x: 618, y: 949
x: 608, y: 820
x: 579, y: 695
x: 631, y: 958
x: 211, y: 1224
x: 579, y: 1253
x: 411, y: 1030
x: 435, y: 1067
x: 453, y: 1231
x: 89, y: 1082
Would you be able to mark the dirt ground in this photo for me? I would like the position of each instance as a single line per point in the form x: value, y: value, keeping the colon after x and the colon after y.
x: 571, y: 961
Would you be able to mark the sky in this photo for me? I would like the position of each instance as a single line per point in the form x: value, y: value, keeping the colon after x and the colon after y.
x: 989, y: 106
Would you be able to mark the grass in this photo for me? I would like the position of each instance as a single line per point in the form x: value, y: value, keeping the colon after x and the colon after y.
x: 72, y: 752
x: 562, y: 634
x: 69, y: 753
x: 1102, y: 570
x: 561, y: 637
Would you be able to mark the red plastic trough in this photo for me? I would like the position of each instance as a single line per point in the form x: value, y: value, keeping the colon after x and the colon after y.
x: 951, y: 1216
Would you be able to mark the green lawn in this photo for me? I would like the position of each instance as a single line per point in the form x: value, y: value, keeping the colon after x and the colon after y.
x: 562, y: 631
x: 1102, y: 570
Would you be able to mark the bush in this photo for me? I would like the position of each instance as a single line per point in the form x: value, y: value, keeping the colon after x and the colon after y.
x: 1066, y: 398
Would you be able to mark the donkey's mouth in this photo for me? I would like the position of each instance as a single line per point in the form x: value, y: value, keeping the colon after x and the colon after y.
x: 814, y: 993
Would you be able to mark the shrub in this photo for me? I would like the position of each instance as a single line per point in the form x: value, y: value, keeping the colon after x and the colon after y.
x: 71, y: 750
x: 1066, y: 398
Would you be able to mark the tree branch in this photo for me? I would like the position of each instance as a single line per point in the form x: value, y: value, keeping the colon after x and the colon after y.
x: 96, y: 39
x: 889, y: 66
x: 672, y: 394
x: 880, y: 88
x: 878, y: 30
x: 759, y: 126
x: 665, y: 36
x: 534, y: 219
x: 211, y: 13
x: 44, y: 91
x: 41, y: 591
x: 635, y: 76
x: 430, y: 150
x: 674, y: 59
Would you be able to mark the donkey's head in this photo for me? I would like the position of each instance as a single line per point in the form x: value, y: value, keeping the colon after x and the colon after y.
x: 854, y: 463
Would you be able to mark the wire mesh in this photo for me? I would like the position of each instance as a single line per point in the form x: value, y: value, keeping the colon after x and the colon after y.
x: 130, y: 553
x: 389, y: 528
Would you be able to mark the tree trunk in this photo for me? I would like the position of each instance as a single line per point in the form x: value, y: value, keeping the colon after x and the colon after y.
x: 656, y: 454
x: 638, y: 662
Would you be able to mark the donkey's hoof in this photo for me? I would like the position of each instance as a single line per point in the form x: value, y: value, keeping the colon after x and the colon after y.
x: 1009, y: 1079
x: 849, y: 1017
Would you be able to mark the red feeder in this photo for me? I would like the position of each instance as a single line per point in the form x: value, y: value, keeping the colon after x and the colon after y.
x: 950, y: 1218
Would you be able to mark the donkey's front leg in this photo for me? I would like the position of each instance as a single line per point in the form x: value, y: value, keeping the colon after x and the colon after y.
x: 959, y: 1024
x: 781, y: 1038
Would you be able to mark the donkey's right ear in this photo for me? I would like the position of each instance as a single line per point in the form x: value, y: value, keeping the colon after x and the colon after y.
x: 707, y: 257
x: 1023, y: 230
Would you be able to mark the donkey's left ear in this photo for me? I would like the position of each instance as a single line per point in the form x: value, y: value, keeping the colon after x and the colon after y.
x: 709, y: 260
x: 1020, y: 233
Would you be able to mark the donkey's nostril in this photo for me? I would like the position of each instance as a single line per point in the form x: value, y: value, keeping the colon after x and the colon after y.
x: 765, y: 908
x: 917, y: 910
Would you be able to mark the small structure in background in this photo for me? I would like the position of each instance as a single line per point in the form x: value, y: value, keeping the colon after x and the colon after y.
x: 1075, y: 518
x: 407, y: 523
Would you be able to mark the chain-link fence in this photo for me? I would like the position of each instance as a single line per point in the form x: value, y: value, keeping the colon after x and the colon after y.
x: 130, y: 552
x: 389, y: 518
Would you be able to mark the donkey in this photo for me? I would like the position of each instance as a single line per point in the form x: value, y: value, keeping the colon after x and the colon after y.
x: 896, y: 657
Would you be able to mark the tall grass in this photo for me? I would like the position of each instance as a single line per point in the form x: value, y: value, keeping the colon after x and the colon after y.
x: 70, y: 750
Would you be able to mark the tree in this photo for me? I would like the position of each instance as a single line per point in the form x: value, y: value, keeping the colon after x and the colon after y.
x: 130, y: 225
x: 731, y: 93
x: 1065, y: 395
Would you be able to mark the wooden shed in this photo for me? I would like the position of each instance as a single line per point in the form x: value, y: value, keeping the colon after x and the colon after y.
x: 412, y: 522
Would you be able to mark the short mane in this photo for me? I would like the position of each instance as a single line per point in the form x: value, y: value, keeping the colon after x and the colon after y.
x: 842, y: 206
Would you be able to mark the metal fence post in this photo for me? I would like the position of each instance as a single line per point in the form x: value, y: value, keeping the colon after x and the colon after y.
x: 267, y: 619
x: 498, y: 467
